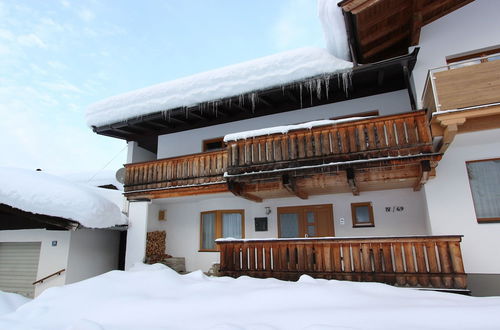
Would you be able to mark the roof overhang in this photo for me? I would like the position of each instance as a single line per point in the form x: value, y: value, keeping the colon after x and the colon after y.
x: 381, y: 29
x: 366, y: 80
x: 13, y: 218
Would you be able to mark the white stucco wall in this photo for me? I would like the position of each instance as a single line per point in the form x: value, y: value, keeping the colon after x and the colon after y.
x: 389, y: 103
x: 183, y: 218
x: 52, y: 258
x: 91, y: 253
x: 136, y: 154
x: 471, y: 27
x: 136, y: 233
x: 450, y: 205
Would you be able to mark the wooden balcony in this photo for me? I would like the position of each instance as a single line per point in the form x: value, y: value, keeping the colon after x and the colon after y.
x: 470, y: 83
x: 191, y: 174
x: 463, y: 97
x: 420, y: 261
x: 370, y: 154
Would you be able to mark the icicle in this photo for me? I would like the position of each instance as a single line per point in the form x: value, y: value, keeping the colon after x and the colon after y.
x: 347, y: 81
x: 318, y: 88
x: 327, y: 86
x: 300, y: 90
x: 253, y: 97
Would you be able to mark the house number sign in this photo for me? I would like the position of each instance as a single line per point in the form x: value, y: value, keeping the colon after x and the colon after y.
x: 394, y: 209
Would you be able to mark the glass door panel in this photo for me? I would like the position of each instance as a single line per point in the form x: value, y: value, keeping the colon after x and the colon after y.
x: 289, y: 225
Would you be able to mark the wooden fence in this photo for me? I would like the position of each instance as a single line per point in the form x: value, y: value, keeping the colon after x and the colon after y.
x: 430, y: 261
x: 402, y: 134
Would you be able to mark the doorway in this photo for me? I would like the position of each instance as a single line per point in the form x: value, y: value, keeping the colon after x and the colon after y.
x: 305, y: 221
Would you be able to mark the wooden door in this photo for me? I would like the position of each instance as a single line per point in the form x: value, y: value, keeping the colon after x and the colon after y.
x: 305, y: 221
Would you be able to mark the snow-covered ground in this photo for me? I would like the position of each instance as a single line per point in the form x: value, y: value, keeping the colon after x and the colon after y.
x: 9, y: 302
x: 155, y: 297
x: 43, y: 193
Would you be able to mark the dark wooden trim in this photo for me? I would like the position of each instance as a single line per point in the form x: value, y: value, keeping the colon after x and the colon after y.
x: 473, y: 54
x: 42, y: 218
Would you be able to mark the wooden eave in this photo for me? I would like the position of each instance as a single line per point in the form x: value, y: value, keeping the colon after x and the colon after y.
x: 376, y: 78
x: 381, y: 29
x: 13, y: 218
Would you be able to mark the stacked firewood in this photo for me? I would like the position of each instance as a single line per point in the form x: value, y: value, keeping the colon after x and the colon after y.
x: 155, y: 247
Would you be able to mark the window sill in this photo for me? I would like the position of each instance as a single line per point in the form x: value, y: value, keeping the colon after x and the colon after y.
x: 488, y: 220
x: 204, y: 250
x: 363, y: 226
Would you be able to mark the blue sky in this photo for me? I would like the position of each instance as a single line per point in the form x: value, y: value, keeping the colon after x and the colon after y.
x: 59, y: 56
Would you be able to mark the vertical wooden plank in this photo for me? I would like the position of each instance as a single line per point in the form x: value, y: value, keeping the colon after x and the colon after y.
x: 361, y: 137
x: 248, y: 149
x: 366, y: 262
x: 356, y: 260
x: 260, y: 260
x: 269, y: 151
x: 301, y: 146
x: 430, y: 248
x: 391, y: 138
x: 411, y: 130
x: 244, y: 257
x: 318, y: 258
x: 400, y: 132
x: 445, y: 262
x: 457, y: 264
x: 292, y: 253
x: 241, y: 152
x: 398, y: 263
x: 293, y: 146
x: 410, y: 263
x: 251, y: 257
x: 353, y: 143
x: 346, y: 258
x: 424, y: 278
x: 423, y: 130
x: 284, y: 146
x: 267, y: 256
x: 327, y: 257
x: 277, y: 149
x: 377, y: 261
x: 389, y: 278
x: 344, y: 141
x: 337, y: 258
x: 309, y: 263
x: 317, y: 143
x: 370, y: 129
x: 284, y: 258
x: 334, y: 141
x: 325, y: 143
x: 276, y: 257
x: 309, y: 144
x: 381, y: 143
x: 301, y: 257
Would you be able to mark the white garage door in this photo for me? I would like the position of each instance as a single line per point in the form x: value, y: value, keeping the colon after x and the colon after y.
x: 18, y: 267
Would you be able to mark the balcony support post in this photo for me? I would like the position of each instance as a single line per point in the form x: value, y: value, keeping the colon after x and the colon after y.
x: 425, y: 171
x: 290, y: 184
x: 352, y: 181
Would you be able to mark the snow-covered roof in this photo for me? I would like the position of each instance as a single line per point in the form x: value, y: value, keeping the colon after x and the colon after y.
x: 266, y: 72
x: 286, y: 128
x: 46, y: 194
x: 92, y: 178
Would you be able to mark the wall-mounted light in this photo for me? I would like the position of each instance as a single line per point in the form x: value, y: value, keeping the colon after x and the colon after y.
x: 268, y: 210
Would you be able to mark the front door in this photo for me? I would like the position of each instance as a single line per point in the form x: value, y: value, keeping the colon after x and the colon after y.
x: 305, y: 221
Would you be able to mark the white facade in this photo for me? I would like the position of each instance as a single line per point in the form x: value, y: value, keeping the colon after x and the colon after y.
x: 182, y: 223
x: 83, y: 253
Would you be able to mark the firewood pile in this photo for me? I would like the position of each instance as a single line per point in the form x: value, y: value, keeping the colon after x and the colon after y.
x: 155, y: 247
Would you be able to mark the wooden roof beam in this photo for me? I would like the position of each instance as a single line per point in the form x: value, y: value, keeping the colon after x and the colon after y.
x: 238, y: 190
x: 425, y: 171
x: 351, y: 180
x: 290, y: 185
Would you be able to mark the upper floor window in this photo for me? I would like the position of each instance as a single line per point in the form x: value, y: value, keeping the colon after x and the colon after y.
x: 213, y: 144
x: 484, y: 179
x: 362, y: 215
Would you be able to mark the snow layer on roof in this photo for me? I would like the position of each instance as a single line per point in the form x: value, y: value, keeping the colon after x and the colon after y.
x: 92, y: 178
x: 285, y: 129
x: 155, y: 297
x: 42, y: 193
x: 233, y: 80
x: 334, y: 30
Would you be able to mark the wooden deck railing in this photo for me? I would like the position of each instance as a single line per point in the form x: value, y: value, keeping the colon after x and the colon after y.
x: 421, y: 261
x: 401, y: 134
x: 470, y: 83
x: 203, y: 168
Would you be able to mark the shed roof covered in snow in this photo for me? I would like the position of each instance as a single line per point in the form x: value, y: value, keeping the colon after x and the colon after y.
x: 39, y: 193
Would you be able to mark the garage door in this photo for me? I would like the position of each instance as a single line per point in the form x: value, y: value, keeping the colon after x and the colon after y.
x: 18, y: 267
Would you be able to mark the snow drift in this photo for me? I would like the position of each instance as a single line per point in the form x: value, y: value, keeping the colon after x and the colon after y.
x: 155, y: 297
x: 42, y: 193
x: 9, y: 302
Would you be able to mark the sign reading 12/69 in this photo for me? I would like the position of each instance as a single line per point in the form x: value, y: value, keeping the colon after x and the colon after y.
x: 394, y: 208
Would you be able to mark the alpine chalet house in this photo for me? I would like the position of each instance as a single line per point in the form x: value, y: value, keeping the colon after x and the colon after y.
x: 384, y: 168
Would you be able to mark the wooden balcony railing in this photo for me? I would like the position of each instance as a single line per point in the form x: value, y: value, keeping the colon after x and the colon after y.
x: 466, y: 84
x: 196, y: 169
x: 421, y: 261
x: 402, y: 134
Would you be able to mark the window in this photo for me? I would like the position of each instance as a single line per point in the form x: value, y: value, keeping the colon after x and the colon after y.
x: 362, y: 215
x: 213, y: 144
x: 220, y: 224
x: 484, y: 179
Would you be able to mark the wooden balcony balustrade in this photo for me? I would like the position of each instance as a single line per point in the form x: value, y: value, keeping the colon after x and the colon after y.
x: 470, y: 83
x: 395, y: 135
x: 197, y: 169
x: 420, y: 261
